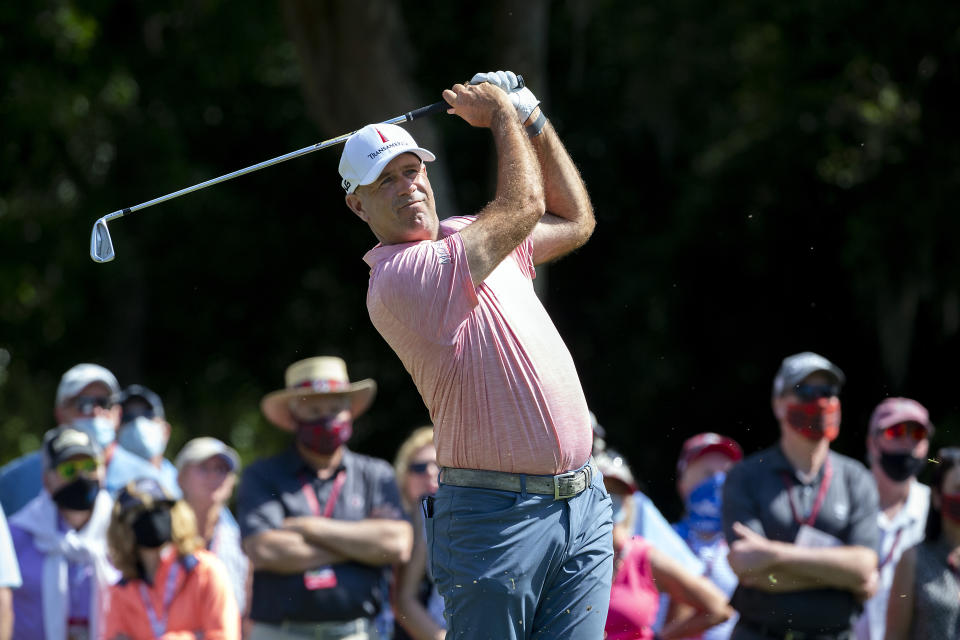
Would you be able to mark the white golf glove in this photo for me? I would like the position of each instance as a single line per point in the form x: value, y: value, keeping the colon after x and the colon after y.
x: 522, y: 98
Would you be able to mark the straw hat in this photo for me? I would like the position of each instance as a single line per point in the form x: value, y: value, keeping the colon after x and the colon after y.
x: 319, y: 376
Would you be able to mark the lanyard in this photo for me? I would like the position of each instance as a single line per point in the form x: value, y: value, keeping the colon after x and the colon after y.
x: 821, y: 494
x: 311, y: 495
x: 159, y: 625
x: 893, y: 547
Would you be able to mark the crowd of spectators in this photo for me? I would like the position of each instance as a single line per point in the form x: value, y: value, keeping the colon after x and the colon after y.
x: 102, y: 536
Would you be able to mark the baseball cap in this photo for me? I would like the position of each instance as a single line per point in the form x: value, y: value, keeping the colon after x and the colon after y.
x: 79, y: 376
x: 613, y: 466
x: 896, y: 410
x: 143, y: 493
x: 200, y: 449
x: 704, y: 443
x: 64, y: 442
x: 800, y: 365
x: 140, y: 392
x: 370, y: 149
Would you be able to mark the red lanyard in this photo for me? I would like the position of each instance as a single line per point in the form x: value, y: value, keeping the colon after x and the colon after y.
x: 893, y: 547
x: 311, y: 495
x: 821, y: 494
x: 159, y: 623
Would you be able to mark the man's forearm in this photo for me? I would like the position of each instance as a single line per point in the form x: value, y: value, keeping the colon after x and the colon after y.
x: 848, y: 568
x: 376, y: 542
x: 565, y: 193
x: 287, y: 552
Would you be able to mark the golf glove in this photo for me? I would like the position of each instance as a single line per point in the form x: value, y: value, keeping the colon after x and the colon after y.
x: 522, y: 98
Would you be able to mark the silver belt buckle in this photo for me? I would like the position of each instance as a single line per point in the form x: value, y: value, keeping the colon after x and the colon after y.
x: 569, y: 483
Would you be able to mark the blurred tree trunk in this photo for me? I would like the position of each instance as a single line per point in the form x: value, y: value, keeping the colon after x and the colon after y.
x: 356, y: 60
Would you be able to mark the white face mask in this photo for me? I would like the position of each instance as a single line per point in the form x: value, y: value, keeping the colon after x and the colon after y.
x: 100, y: 428
x: 144, y: 437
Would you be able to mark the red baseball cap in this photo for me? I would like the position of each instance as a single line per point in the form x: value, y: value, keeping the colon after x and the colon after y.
x: 896, y: 410
x: 704, y: 443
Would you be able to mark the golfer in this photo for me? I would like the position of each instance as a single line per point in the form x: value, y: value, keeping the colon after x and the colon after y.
x: 519, y: 533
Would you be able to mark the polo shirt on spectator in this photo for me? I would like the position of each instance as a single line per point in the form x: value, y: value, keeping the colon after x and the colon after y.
x: 276, y: 488
x: 758, y: 492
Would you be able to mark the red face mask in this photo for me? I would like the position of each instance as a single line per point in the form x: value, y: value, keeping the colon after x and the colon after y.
x: 324, y: 435
x: 817, y: 419
x: 950, y: 506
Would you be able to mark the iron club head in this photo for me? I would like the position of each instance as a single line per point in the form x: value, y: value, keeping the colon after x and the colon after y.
x: 101, y: 245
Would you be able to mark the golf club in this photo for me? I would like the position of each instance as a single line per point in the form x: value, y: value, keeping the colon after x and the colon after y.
x: 101, y: 245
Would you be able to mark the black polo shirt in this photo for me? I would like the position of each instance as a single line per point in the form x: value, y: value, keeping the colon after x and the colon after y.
x: 758, y: 491
x: 276, y: 488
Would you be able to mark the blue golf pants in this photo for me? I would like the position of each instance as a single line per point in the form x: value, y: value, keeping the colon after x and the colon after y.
x: 517, y: 565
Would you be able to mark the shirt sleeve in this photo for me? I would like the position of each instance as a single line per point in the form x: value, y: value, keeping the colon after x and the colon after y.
x: 221, y: 615
x: 738, y: 505
x: 385, y: 500
x: 259, y: 507
x: 427, y: 289
x: 9, y: 568
x: 864, y: 505
x: 120, y: 613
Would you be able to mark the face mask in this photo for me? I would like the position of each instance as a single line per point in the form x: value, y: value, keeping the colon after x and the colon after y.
x: 815, y: 420
x: 900, y: 466
x: 704, y: 505
x: 950, y: 506
x: 145, y: 437
x: 79, y: 495
x: 153, y: 529
x: 100, y: 428
x: 325, y: 435
x: 619, y: 513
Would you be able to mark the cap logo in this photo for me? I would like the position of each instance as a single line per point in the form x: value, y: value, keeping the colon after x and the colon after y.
x: 71, y: 438
x: 382, y: 137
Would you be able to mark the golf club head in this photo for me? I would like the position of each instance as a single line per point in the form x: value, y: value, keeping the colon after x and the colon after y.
x: 101, y: 245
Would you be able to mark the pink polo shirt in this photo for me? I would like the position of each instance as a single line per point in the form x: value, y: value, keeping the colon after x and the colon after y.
x: 499, y: 382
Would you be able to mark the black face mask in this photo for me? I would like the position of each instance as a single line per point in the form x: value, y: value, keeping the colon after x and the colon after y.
x: 79, y: 495
x: 152, y: 529
x: 900, y: 466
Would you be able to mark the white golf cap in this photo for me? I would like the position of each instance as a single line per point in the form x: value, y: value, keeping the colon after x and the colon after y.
x: 200, y: 449
x: 79, y: 376
x: 370, y: 149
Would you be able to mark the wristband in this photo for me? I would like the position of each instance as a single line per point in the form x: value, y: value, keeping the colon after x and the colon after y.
x: 535, y: 128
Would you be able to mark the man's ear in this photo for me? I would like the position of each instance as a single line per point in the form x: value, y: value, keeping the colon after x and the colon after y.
x: 355, y: 204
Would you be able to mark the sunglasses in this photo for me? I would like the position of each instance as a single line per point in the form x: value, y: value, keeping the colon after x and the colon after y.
x: 86, y: 404
x: 810, y: 392
x: 422, y: 467
x: 916, y: 431
x: 70, y: 469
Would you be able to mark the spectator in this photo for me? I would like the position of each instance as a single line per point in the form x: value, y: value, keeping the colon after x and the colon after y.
x: 641, y: 572
x: 701, y: 470
x: 321, y: 524
x: 171, y: 587
x: 144, y: 430
x: 800, y: 519
x: 923, y: 599
x: 207, y: 471
x: 9, y: 579
x: 418, y: 606
x: 60, y: 541
x: 85, y: 399
x: 898, y: 441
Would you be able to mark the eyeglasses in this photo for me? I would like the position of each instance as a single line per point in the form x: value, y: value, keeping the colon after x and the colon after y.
x: 422, y: 467
x: 86, y: 404
x: 72, y: 468
x: 129, y: 415
x: 915, y: 430
x: 811, y: 392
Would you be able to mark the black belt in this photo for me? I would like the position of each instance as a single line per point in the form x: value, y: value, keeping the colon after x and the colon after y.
x: 792, y: 634
x: 565, y: 485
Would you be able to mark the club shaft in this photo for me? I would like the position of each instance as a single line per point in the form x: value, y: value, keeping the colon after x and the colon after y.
x: 410, y: 116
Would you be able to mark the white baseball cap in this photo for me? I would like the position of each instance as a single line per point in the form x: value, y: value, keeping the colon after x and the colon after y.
x: 200, y: 449
x: 370, y: 149
x: 79, y: 376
